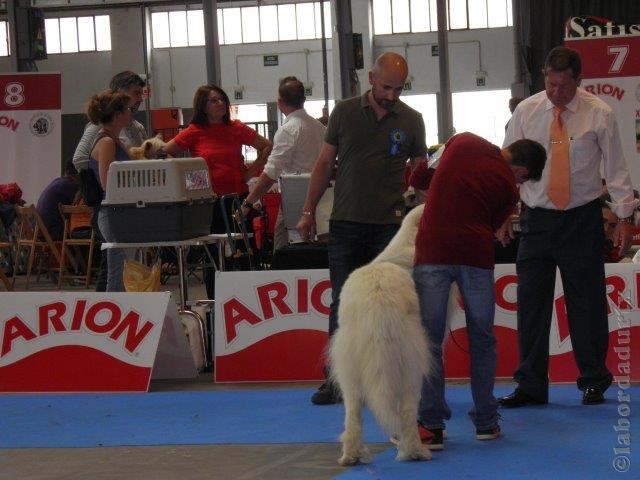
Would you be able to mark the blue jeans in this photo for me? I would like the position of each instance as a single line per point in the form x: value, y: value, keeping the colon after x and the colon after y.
x: 115, y: 256
x: 433, y: 284
x: 352, y: 245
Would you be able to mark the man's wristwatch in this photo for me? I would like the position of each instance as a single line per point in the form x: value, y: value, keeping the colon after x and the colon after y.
x: 248, y: 205
x: 628, y: 220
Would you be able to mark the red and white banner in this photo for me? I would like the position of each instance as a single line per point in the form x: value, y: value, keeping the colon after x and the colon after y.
x: 611, y: 70
x: 271, y: 326
x: 75, y: 342
x: 30, y: 131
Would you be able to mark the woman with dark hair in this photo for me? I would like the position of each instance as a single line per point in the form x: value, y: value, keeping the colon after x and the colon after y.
x: 213, y: 136
x: 112, y: 111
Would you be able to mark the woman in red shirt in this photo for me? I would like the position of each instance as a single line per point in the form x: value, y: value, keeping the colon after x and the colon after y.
x: 213, y: 136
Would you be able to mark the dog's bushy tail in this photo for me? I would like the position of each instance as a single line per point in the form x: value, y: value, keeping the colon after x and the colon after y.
x: 380, y: 348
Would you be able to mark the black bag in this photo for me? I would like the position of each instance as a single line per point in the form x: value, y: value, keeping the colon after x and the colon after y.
x: 90, y: 188
x: 299, y: 256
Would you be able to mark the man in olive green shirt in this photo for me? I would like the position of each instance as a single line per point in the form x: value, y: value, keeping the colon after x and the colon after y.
x: 367, y: 143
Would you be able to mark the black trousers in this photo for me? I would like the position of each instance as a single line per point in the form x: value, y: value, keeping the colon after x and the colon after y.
x: 572, y: 241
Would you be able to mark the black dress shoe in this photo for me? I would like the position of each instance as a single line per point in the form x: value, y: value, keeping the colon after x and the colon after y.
x: 327, y: 394
x: 519, y: 399
x: 592, y: 396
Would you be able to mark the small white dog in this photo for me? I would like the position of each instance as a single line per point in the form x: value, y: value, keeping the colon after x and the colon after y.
x: 380, y: 352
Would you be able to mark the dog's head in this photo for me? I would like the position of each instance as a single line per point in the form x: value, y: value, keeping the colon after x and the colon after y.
x: 402, y: 246
x: 151, y: 148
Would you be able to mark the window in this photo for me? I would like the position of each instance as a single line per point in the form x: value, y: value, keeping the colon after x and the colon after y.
x: 77, y: 34
x: 403, y: 16
x: 4, y: 39
x: 265, y: 23
x: 484, y: 113
x: 427, y: 106
x: 254, y: 116
x: 314, y: 107
x: 179, y: 28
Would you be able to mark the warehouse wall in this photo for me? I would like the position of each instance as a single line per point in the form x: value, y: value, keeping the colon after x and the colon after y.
x: 175, y: 73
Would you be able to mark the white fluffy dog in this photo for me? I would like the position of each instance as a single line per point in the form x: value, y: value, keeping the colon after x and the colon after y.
x: 380, y: 352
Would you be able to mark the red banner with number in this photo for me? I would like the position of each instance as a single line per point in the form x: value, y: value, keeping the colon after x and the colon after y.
x: 611, y: 70
x: 30, y: 131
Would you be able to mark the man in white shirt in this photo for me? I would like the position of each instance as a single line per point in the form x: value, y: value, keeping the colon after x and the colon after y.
x: 561, y: 226
x: 296, y: 145
x: 131, y: 136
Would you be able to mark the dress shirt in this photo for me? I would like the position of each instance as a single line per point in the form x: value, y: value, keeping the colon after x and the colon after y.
x: 594, y: 139
x: 296, y: 145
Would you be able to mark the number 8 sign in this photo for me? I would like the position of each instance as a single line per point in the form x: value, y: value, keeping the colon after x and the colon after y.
x: 13, y: 94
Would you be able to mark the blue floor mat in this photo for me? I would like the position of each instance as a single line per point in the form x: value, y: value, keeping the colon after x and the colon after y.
x: 561, y: 440
x: 171, y: 418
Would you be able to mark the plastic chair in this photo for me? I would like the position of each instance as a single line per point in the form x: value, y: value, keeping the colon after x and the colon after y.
x: 34, y: 236
x: 74, y: 242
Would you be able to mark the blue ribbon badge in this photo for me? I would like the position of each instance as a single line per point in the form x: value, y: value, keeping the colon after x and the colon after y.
x: 398, y: 137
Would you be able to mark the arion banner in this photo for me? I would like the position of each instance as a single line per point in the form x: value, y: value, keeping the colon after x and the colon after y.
x: 611, y: 70
x: 272, y: 326
x: 90, y: 341
x: 30, y: 131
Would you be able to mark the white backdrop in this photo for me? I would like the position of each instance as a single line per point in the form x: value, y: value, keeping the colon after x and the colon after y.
x: 30, y: 131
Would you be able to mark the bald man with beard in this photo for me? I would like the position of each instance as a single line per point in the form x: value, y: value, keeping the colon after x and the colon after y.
x: 367, y: 144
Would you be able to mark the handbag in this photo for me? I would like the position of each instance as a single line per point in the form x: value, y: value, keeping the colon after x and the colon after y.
x: 90, y: 188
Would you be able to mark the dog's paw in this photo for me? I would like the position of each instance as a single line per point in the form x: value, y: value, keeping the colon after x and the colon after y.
x: 362, y: 455
x: 348, y: 461
x: 419, y: 453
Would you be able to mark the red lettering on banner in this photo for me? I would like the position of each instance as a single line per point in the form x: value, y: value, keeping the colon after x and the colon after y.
x: 605, y: 89
x: 637, y: 113
x: 234, y: 313
x: 303, y: 295
x: 618, y: 287
x: 10, y: 123
x: 501, y: 286
x: 78, y: 314
x: 316, y: 297
x: 92, y: 315
x: 14, y: 328
x: 273, y: 295
x: 562, y: 318
x: 51, y: 317
x: 51, y: 314
x: 134, y: 336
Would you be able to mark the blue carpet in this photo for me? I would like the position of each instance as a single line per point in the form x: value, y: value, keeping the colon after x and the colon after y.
x: 170, y: 418
x: 561, y: 440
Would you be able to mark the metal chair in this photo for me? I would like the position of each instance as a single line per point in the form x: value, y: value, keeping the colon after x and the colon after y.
x: 236, y: 223
x: 74, y: 243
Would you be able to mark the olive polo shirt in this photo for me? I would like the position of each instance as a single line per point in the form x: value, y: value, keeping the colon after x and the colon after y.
x: 372, y: 156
